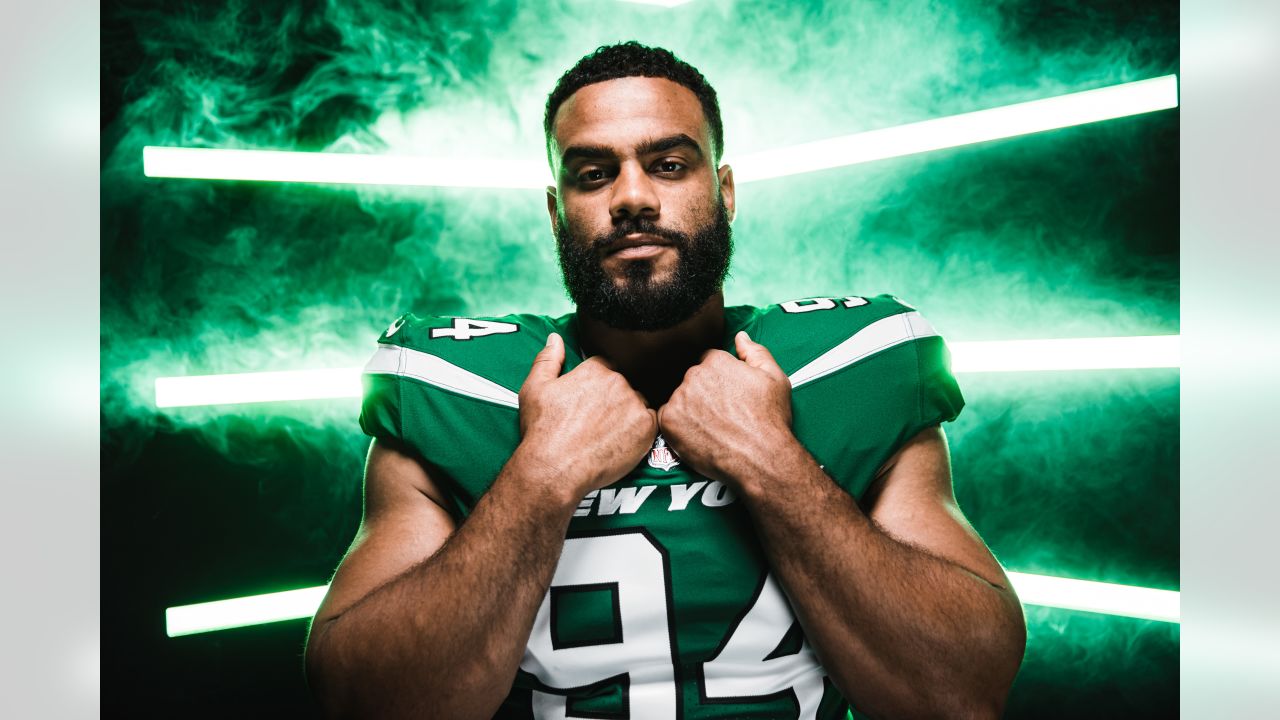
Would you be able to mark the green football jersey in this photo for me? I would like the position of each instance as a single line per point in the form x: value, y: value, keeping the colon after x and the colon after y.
x: 662, y: 604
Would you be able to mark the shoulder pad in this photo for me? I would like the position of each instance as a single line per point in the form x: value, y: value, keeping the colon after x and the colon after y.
x: 499, y: 349
x: 799, y: 331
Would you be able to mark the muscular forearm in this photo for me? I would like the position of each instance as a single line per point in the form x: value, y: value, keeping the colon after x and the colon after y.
x: 444, y: 639
x: 901, y: 632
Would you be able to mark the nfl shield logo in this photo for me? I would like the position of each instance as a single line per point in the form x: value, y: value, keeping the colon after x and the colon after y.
x: 661, y: 456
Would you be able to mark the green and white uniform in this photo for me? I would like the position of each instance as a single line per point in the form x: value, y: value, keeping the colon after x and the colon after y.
x: 662, y: 605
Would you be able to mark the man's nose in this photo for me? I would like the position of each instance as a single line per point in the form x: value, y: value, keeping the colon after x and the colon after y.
x: 634, y: 194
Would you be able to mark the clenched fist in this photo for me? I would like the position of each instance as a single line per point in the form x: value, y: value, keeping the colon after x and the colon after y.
x: 729, y: 411
x: 587, y: 428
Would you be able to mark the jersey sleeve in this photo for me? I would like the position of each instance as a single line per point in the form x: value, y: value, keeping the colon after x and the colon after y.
x: 380, y: 414
x: 380, y: 405
x: 446, y: 389
x: 940, y: 397
x: 867, y: 377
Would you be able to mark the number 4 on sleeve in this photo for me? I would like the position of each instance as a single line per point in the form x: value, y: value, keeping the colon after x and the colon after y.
x: 465, y: 329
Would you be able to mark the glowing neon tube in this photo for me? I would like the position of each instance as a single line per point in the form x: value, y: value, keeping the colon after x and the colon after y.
x: 1156, y: 351
x: 1107, y: 598
x: 1079, y: 108
x: 239, y: 388
x: 242, y: 612
x: 339, y: 168
x: 1150, y: 351
x: 1057, y: 592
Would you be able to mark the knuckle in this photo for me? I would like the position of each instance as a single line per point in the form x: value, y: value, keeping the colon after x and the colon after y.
x: 671, y: 415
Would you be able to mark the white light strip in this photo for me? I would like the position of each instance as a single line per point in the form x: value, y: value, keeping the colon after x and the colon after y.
x: 340, y: 168
x: 1106, y: 598
x: 1157, y: 351
x: 1107, y: 353
x: 1069, y: 594
x: 253, y: 610
x: 1053, y: 113
x: 348, y: 168
x: 258, y: 387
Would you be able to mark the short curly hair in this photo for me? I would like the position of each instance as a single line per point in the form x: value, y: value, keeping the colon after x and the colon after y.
x: 631, y: 59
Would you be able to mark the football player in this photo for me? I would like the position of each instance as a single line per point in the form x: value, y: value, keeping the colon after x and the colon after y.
x: 659, y: 506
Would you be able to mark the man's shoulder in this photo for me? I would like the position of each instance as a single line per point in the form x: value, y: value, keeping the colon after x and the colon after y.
x: 498, y: 348
x: 798, y: 331
x: 867, y: 373
x: 437, y: 333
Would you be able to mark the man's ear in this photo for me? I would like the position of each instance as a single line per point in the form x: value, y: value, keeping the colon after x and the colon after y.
x: 727, y: 190
x: 551, y: 209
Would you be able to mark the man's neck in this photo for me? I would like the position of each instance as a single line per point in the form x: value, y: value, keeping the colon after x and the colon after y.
x: 655, y: 362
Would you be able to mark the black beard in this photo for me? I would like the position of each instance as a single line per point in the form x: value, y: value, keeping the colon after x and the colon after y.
x: 640, y: 303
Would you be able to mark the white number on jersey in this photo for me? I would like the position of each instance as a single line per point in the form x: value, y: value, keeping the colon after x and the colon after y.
x: 743, y: 668
x: 634, y: 566
x: 645, y: 650
x: 808, y: 305
x: 811, y: 304
x: 465, y: 329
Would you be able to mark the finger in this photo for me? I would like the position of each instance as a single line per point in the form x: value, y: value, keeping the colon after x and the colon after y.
x: 755, y: 354
x: 548, y: 361
x: 712, y: 353
x: 602, y: 361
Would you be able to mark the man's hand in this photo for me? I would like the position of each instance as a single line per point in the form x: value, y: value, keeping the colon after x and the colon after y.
x: 587, y: 428
x: 414, y: 624
x: 939, y: 633
x: 728, y: 410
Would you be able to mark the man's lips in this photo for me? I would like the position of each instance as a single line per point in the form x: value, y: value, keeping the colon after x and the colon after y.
x: 638, y: 245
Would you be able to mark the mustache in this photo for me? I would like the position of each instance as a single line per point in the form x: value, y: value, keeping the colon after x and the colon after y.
x: 603, y: 244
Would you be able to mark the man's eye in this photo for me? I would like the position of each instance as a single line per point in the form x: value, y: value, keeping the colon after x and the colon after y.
x: 591, y: 176
x: 670, y: 166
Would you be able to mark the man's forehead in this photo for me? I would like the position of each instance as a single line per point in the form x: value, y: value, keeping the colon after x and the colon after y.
x: 625, y: 111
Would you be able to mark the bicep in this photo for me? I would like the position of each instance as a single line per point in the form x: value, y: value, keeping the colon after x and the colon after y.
x: 404, y: 523
x: 912, y: 501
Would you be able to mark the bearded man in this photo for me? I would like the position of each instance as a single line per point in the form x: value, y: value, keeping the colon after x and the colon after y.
x: 657, y: 506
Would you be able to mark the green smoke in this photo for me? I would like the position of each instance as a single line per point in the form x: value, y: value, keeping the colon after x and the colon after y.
x: 1066, y: 234
x: 277, y: 277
